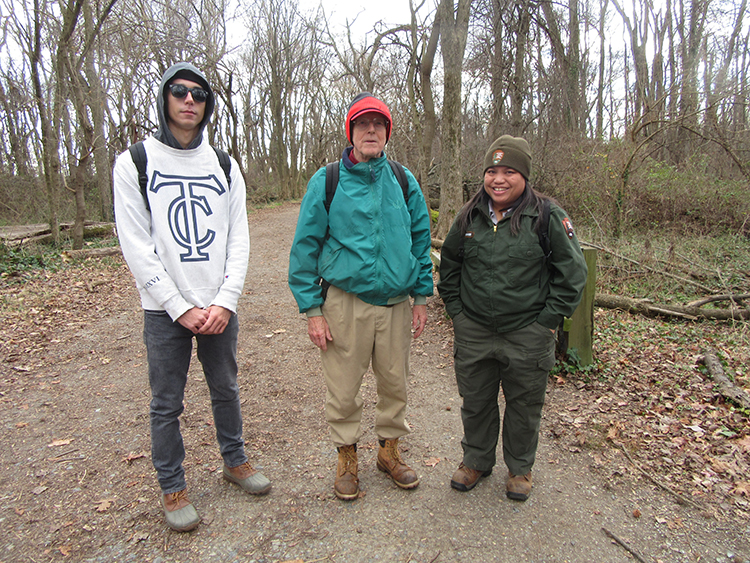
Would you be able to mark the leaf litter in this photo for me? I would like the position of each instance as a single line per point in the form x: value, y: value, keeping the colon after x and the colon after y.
x: 646, y: 402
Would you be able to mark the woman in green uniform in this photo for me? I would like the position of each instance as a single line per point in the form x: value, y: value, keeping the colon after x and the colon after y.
x: 506, y: 299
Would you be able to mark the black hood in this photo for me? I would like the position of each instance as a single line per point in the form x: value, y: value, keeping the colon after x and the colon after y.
x: 188, y: 72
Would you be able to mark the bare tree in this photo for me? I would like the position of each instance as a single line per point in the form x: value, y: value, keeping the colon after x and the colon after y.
x: 287, y: 67
x: 50, y: 137
x: 454, y: 26
x: 423, y: 47
x: 567, y: 102
x: 599, y: 130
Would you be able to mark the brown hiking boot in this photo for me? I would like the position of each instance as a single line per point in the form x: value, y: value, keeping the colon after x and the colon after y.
x: 180, y: 512
x: 466, y: 478
x: 250, y: 479
x: 518, y: 487
x: 389, y: 461
x: 346, y: 485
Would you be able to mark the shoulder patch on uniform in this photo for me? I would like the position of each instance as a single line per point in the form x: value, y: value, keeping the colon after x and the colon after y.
x: 568, y: 226
x: 469, y: 234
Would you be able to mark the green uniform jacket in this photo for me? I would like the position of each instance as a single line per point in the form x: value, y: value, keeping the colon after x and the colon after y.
x: 502, y: 282
x: 372, y: 243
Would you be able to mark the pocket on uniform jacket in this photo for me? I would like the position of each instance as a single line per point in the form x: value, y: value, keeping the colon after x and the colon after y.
x: 525, y: 260
x: 471, y: 249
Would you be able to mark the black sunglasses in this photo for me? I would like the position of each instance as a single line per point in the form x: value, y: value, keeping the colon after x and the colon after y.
x: 179, y: 91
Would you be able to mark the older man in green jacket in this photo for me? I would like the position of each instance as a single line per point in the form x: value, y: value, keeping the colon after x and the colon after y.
x: 352, y: 270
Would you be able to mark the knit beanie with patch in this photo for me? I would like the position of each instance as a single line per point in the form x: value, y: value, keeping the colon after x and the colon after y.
x: 366, y: 103
x: 513, y: 152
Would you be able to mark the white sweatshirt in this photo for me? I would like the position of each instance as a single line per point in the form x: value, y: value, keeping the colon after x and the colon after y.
x: 191, y: 249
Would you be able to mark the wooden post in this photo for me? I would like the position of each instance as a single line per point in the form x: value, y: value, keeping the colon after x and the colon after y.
x: 581, y: 332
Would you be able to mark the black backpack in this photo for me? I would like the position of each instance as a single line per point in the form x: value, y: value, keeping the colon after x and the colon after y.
x: 332, y: 180
x: 138, y: 152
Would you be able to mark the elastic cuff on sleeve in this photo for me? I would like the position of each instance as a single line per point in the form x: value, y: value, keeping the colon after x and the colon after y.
x: 177, y: 306
x: 549, y: 320
x: 314, y: 312
x: 420, y: 300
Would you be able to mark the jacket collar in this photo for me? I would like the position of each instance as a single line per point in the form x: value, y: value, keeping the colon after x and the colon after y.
x: 348, y: 164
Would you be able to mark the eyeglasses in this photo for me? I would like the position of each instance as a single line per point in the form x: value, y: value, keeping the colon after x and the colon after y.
x: 179, y: 91
x: 364, y: 123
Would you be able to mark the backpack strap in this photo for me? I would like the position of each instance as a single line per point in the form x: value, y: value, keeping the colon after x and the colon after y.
x: 332, y: 182
x: 226, y: 165
x: 398, y: 171
x: 543, y: 233
x: 138, y: 154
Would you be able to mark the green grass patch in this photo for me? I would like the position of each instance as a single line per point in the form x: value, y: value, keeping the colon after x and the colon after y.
x: 16, y: 262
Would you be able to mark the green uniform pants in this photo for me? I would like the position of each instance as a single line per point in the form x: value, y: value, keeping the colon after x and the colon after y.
x: 519, y: 361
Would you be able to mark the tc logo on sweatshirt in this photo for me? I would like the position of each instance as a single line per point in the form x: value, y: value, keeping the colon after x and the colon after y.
x: 186, y: 211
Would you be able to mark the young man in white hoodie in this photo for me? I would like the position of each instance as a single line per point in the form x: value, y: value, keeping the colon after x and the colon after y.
x: 186, y: 242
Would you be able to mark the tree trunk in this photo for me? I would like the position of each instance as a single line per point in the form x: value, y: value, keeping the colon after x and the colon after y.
x: 690, y: 50
x: 517, y: 87
x: 599, y: 132
x: 18, y: 148
x: 96, y: 100
x: 454, y: 27
x: 48, y: 124
x: 427, y: 125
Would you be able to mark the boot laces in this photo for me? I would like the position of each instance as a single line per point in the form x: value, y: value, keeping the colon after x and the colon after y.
x: 392, y: 447
x: 350, y: 460
x: 177, y: 497
x: 246, y: 467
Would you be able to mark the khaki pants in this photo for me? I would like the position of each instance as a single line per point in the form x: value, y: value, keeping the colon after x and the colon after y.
x: 363, y: 332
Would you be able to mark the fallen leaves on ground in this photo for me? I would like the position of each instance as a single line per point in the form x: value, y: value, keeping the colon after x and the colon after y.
x: 659, y: 405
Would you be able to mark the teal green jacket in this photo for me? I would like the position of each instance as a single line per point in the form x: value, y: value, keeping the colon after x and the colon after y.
x: 371, y: 243
x: 502, y: 282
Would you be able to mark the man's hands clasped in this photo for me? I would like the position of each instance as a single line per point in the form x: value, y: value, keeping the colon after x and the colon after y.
x: 212, y: 320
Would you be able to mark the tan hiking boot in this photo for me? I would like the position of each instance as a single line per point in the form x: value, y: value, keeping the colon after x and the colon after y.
x: 346, y: 485
x: 466, y: 478
x: 180, y: 512
x: 518, y: 487
x: 250, y: 479
x: 389, y: 461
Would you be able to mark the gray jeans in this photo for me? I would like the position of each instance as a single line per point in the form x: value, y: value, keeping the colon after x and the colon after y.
x: 169, y: 346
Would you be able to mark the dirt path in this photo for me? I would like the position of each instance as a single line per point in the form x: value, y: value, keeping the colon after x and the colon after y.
x: 77, y: 482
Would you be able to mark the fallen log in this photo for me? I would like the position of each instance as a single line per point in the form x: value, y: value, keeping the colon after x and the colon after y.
x: 19, y: 235
x: 649, y: 309
x: 724, y: 385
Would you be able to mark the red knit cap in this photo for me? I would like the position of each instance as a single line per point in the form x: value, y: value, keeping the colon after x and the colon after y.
x: 365, y: 103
